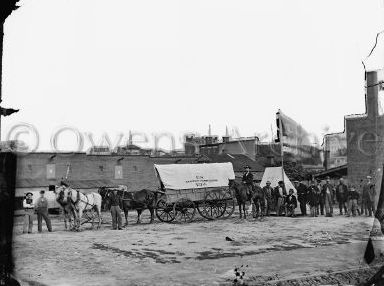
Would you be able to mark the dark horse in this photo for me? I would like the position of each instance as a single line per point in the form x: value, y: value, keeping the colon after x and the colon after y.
x: 67, y: 207
x: 241, y: 194
x: 258, y: 199
x: 139, y: 201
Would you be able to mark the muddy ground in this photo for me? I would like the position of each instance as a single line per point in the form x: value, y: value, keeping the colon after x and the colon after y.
x: 273, y: 251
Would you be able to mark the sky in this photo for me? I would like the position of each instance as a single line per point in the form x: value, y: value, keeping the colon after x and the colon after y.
x: 174, y: 67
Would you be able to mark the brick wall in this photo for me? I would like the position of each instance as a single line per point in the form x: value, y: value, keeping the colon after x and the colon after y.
x: 365, y: 137
x: 138, y: 171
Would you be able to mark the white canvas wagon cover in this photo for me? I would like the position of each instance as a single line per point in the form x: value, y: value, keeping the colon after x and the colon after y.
x: 195, y: 176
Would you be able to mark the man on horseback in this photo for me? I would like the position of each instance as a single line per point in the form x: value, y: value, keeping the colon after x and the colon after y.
x: 248, y: 180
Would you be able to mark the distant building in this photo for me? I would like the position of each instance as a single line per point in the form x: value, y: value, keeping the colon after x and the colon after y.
x: 132, y: 149
x: 246, y: 146
x: 335, y: 150
x: 99, y: 150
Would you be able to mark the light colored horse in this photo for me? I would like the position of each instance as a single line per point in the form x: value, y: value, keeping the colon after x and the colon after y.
x: 82, y: 203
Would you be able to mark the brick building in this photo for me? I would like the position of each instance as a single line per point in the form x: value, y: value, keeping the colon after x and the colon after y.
x: 36, y: 171
x: 365, y: 135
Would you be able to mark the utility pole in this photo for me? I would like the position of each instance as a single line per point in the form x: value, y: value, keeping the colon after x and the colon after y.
x: 6, y: 8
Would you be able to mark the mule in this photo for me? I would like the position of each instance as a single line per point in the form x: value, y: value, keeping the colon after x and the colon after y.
x: 81, y: 203
x: 242, y: 196
x: 139, y: 201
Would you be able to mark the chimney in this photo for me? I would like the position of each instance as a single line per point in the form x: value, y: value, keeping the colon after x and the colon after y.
x: 372, y: 93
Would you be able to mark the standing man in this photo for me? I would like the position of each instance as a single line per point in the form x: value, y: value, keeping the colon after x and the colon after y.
x: 268, y: 192
x: 281, y: 194
x: 29, y: 207
x: 321, y: 197
x: 342, y: 196
x: 42, y: 212
x: 312, y: 198
x: 327, y: 194
x: 353, y: 197
x: 301, y: 196
x: 115, y: 209
x: 368, y: 197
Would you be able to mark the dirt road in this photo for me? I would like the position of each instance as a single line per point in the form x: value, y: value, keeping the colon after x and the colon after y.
x: 196, y: 253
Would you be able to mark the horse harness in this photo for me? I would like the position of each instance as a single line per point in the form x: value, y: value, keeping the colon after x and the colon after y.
x: 78, y: 199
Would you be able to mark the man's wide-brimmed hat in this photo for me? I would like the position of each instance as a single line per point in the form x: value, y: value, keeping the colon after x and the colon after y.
x: 268, y: 182
x: 29, y: 193
x: 247, y: 167
x: 280, y: 182
x: 369, y: 177
x: 42, y: 192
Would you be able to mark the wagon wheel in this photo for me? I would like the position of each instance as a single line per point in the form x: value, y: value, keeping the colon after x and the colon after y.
x: 184, y: 209
x: 229, y: 204
x: 213, y: 206
x: 164, y: 211
x: 88, y: 216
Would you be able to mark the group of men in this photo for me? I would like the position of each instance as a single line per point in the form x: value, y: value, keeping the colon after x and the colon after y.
x: 40, y: 207
x: 319, y: 197
x: 274, y: 198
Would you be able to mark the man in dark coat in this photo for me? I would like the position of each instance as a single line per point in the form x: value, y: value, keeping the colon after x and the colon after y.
x: 42, y: 212
x: 280, y: 193
x: 312, y: 198
x: 115, y: 202
x: 353, y: 196
x: 342, y: 196
x: 301, y: 196
x: 327, y: 196
x: 368, y: 197
x: 290, y: 204
x: 268, y: 195
x: 248, y: 179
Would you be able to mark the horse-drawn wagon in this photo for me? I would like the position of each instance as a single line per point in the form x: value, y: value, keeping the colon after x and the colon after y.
x: 190, y: 187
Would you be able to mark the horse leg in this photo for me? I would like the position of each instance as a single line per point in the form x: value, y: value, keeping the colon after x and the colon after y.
x: 98, y: 212
x: 139, y: 211
x: 241, y: 216
x: 245, y: 216
x: 125, y: 209
x: 151, y: 210
x: 80, y: 215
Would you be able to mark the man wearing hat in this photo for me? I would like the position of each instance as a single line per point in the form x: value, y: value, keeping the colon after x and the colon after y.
x: 342, y: 196
x: 313, y: 198
x: 268, y: 195
x: 28, y: 206
x: 368, y: 199
x: 42, y: 212
x: 301, y: 196
x: 248, y: 179
x: 327, y: 196
x: 280, y: 193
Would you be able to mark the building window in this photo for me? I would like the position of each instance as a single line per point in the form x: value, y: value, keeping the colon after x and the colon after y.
x: 101, y: 167
x: 51, y: 171
x: 118, y: 172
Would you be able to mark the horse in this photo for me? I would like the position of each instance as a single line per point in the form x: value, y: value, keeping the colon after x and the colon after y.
x: 241, y: 194
x: 82, y: 203
x: 258, y: 199
x: 67, y: 207
x: 139, y: 201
